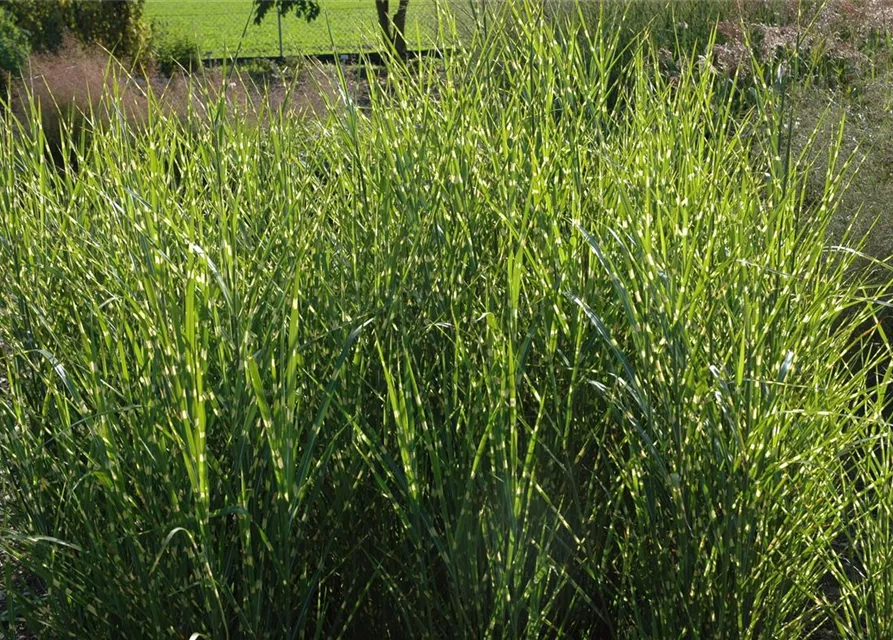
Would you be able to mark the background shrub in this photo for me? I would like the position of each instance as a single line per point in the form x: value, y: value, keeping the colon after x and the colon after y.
x: 44, y: 22
x: 14, y: 48
x: 173, y: 51
x: 117, y: 26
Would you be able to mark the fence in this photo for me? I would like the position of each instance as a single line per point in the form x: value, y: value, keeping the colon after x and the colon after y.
x: 224, y: 27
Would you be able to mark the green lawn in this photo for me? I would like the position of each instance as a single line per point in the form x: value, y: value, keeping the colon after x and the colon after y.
x: 343, y: 25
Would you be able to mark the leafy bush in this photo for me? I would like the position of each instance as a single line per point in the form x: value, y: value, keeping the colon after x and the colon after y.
x: 175, y: 51
x: 117, y: 26
x: 44, y: 22
x: 14, y: 47
x: 260, y: 69
x: 500, y: 356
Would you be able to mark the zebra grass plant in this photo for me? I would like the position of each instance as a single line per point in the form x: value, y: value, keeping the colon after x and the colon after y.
x: 536, y: 346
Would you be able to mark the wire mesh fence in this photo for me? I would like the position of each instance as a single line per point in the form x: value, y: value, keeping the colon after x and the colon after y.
x: 223, y: 28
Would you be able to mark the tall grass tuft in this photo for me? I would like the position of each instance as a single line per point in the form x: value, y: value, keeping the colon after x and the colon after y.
x: 536, y: 346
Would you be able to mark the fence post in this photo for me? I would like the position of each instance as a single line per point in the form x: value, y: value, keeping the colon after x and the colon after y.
x: 279, y: 19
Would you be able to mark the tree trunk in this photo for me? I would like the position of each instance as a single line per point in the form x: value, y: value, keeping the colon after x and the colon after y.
x: 384, y: 20
x: 400, y: 29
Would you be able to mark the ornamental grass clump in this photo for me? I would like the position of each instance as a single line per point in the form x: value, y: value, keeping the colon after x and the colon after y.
x: 535, y: 346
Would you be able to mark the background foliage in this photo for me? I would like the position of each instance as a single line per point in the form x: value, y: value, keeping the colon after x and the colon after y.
x: 14, y: 48
x: 117, y: 26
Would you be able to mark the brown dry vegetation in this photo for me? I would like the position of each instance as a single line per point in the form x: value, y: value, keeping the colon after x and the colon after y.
x: 68, y: 87
x: 843, y: 32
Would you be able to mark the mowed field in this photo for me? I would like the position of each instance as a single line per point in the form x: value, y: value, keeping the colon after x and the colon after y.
x: 342, y: 26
